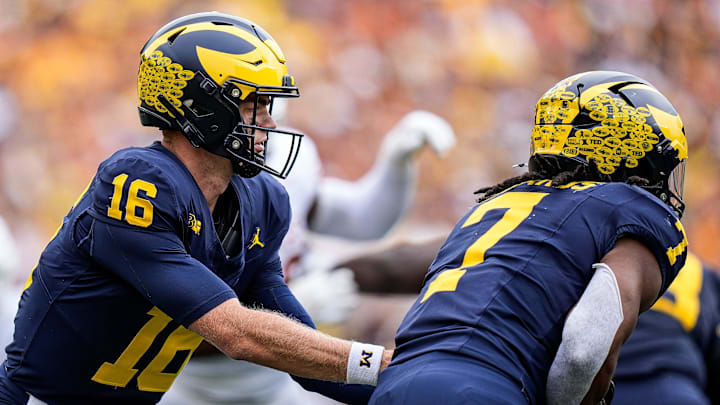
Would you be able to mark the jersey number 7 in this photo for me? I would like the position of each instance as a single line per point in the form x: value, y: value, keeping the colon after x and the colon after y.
x: 519, y: 205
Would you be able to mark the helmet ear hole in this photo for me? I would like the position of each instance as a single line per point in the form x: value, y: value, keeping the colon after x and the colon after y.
x: 197, y: 109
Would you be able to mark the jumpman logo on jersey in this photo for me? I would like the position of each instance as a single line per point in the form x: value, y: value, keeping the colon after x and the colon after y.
x: 256, y: 240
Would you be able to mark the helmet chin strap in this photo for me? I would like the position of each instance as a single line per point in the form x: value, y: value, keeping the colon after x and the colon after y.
x: 245, y: 170
x: 235, y: 146
x: 191, y: 133
x: 677, y: 204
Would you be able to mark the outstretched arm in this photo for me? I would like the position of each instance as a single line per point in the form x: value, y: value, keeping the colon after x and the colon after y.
x: 263, y: 337
x: 626, y: 283
x: 269, y: 291
x: 399, y: 269
x: 369, y: 207
x: 273, y: 340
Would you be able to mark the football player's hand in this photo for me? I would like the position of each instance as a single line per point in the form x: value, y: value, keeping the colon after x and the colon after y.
x: 415, y: 130
x: 328, y: 296
x: 609, y: 395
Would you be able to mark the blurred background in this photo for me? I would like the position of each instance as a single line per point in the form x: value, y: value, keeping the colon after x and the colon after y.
x: 68, y: 89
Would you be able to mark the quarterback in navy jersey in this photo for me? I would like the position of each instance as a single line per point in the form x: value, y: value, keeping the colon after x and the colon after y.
x: 109, y: 287
x: 178, y: 241
x: 672, y: 356
x: 535, y: 289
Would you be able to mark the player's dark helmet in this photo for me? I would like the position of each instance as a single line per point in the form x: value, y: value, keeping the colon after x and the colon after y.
x: 196, y: 70
x: 622, y: 123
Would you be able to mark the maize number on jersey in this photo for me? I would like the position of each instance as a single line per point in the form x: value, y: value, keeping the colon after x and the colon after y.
x: 682, y: 299
x: 152, y: 378
x: 519, y: 206
x: 133, y: 201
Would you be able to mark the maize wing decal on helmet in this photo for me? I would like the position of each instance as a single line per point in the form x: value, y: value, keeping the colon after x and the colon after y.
x: 196, y: 70
x: 158, y: 75
x: 619, y: 121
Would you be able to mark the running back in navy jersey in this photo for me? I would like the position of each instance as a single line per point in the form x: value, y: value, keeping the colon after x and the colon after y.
x: 136, y: 261
x: 500, y: 287
x: 675, y: 337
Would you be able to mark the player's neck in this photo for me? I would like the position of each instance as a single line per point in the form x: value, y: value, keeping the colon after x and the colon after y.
x: 211, y: 172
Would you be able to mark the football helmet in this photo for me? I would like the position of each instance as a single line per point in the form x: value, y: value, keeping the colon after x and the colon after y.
x: 619, y: 121
x: 196, y: 70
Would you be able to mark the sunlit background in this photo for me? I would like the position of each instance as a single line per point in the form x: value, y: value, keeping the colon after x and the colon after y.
x: 68, y: 88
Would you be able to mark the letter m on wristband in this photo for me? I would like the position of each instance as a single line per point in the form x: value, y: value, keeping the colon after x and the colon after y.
x: 365, y: 360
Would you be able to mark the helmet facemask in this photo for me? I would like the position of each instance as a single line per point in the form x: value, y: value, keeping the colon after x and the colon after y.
x: 239, y: 145
x: 676, y: 184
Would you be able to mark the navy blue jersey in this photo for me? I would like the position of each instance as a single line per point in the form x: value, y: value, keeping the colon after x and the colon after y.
x: 501, y: 286
x: 675, y: 337
x: 104, y: 315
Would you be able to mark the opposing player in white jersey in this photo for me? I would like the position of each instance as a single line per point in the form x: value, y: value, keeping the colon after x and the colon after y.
x: 9, y: 288
x: 365, y: 209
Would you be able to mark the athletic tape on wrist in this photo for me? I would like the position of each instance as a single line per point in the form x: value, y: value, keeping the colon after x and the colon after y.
x: 364, y: 363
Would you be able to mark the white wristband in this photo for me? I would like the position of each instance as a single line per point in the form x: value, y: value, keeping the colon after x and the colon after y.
x: 364, y: 363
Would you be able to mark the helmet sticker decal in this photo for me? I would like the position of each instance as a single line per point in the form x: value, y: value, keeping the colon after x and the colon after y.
x: 621, y: 130
x: 159, y: 75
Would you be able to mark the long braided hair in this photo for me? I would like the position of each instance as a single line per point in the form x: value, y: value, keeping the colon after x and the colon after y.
x: 561, y: 171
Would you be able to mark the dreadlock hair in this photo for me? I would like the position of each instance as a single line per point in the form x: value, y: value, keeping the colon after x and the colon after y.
x: 561, y: 171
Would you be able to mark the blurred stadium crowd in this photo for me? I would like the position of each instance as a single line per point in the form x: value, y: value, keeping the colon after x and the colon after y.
x: 68, y: 88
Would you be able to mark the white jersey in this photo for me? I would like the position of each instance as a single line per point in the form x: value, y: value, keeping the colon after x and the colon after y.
x: 9, y: 292
x: 217, y: 379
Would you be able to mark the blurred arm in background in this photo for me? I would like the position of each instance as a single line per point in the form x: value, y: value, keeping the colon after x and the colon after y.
x: 369, y: 207
x: 399, y: 269
x: 365, y: 209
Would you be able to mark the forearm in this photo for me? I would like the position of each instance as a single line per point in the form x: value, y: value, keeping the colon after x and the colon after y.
x: 601, y: 321
x: 276, y: 341
x: 367, y: 208
x: 399, y: 269
x: 588, y: 336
